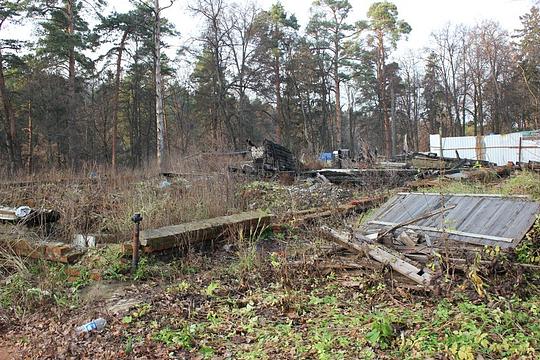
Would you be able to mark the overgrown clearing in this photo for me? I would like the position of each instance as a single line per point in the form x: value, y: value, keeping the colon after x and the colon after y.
x: 257, y: 294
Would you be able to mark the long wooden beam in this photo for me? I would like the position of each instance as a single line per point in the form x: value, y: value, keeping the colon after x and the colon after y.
x: 204, y: 230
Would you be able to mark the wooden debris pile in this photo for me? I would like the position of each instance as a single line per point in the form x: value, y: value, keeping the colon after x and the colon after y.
x: 18, y: 233
x: 433, y: 161
x: 45, y: 250
x: 420, y: 235
x: 310, y: 216
x: 267, y: 160
x: 366, y: 178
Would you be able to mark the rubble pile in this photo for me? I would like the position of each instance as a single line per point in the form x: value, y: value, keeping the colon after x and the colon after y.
x: 303, y: 195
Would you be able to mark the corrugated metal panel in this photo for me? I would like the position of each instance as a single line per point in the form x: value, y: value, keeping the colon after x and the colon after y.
x: 499, y: 149
x: 476, y: 219
x: 464, y: 145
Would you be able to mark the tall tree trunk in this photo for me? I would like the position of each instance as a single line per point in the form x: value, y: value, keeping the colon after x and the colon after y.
x: 338, y: 94
x: 350, y: 98
x: 277, y: 88
x: 71, y: 132
x: 480, y: 109
x: 381, y: 74
x: 160, y: 121
x: 465, y: 87
x: 10, y: 126
x: 475, y: 103
x: 116, y: 98
x: 393, y: 117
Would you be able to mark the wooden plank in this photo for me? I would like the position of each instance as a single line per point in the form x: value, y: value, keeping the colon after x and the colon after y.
x: 448, y: 231
x: 383, y: 255
x: 199, y: 231
x: 7, y: 214
x: 459, y: 261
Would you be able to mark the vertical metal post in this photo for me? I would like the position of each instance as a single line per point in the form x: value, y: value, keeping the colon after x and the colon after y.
x: 440, y: 143
x: 519, y: 155
x: 136, y: 218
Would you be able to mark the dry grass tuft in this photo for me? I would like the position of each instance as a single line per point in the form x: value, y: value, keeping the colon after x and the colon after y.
x: 104, y: 202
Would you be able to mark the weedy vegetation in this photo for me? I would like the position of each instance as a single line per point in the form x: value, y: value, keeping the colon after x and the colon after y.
x: 243, y: 299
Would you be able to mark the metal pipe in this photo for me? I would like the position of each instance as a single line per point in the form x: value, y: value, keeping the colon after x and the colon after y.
x: 136, y: 218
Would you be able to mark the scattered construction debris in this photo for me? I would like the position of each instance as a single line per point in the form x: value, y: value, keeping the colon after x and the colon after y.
x: 28, y: 216
x: 412, y: 230
x: 433, y: 161
x: 45, y: 250
x: 267, y: 160
x: 309, y: 216
x: 363, y: 245
x: 367, y: 178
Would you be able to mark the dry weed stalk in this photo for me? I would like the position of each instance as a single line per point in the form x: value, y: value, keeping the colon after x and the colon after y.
x: 93, y: 200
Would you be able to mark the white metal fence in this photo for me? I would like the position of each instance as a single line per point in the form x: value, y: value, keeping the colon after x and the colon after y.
x: 500, y: 149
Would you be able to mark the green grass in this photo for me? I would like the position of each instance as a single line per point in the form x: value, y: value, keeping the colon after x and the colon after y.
x: 211, y: 313
x: 329, y: 323
x: 521, y: 183
x: 524, y: 183
x: 458, y: 187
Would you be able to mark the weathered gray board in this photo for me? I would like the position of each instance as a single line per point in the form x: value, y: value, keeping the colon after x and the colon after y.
x: 477, y: 219
x: 7, y: 214
x: 198, y: 231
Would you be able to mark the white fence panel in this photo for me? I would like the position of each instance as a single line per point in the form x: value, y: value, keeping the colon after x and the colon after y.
x: 499, y: 149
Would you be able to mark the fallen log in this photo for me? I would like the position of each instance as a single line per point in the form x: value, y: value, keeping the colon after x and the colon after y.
x: 381, y: 254
x: 169, y: 237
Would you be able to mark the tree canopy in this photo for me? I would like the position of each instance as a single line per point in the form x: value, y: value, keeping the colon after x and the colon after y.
x: 86, y: 85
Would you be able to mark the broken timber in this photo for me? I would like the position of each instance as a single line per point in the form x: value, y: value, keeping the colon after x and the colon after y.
x: 169, y: 237
x: 309, y: 216
x: 381, y: 254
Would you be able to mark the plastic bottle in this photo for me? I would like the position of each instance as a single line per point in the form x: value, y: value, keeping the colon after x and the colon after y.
x: 94, y: 325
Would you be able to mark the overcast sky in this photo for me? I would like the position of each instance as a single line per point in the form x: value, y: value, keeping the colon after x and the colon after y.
x: 425, y: 16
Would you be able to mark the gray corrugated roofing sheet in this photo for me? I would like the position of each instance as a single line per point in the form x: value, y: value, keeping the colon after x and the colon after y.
x: 477, y: 219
